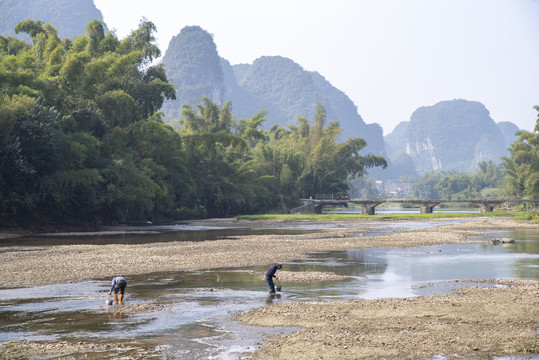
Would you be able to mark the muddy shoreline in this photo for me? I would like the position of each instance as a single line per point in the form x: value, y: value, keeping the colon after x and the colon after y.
x: 503, y: 320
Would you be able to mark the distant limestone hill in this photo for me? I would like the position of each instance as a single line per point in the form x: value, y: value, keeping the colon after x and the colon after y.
x: 69, y: 17
x: 450, y: 135
x: 272, y: 83
x: 508, y: 130
x: 194, y: 67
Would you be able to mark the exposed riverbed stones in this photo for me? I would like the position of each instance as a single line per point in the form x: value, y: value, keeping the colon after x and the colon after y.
x: 65, y: 263
x: 471, y: 323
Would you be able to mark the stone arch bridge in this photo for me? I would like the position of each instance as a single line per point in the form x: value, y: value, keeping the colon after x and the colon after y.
x: 315, y: 206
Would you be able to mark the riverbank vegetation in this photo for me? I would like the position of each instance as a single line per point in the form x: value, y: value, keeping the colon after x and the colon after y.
x: 530, y: 216
x: 516, y: 177
x: 486, y: 182
x: 82, y: 140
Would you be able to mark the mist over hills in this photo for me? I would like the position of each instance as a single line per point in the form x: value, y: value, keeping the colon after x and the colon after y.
x: 508, y: 130
x: 69, y: 17
x: 453, y: 134
x: 273, y: 83
x: 450, y: 135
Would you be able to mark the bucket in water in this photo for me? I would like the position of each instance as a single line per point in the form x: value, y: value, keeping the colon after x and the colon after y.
x: 108, y: 302
x: 278, y: 288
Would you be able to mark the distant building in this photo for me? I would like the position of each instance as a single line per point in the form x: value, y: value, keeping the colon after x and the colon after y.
x: 393, y: 188
x: 379, y: 186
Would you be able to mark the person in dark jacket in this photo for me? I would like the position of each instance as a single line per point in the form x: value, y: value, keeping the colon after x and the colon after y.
x: 118, y: 286
x: 270, y: 275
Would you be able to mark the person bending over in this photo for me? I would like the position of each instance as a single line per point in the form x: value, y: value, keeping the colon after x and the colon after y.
x: 270, y: 275
x: 118, y: 285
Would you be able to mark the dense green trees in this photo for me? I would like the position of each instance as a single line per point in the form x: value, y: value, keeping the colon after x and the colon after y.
x: 452, y: 185
x: 306, y: 160
x: 522, y: 166
x: 70, y: 139
x: 82, y: 140
x: 241, y: 168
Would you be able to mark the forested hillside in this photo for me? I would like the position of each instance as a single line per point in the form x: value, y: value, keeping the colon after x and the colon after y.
x: 194, y: 67
x: 509, y: 132
x: 273, y: 83
x: 522, y: 166
x: 286, y: 91
x: 450, y: 135
x: 515, y: 177
x: 68, y: 16
x: 82, y: 140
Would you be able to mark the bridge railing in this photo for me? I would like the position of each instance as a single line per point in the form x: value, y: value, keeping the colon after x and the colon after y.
x: 426, y: 206
x: 324, y: 197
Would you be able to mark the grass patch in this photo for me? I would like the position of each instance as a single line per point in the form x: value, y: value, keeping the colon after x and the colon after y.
x: 292, y: 217
x: 533, y: 217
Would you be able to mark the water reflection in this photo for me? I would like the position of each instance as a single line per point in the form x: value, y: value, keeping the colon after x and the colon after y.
x: 194, y: 320
x: 144, y: 235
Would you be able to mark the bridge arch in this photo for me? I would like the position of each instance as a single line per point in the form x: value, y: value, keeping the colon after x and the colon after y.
x: 315, y: 206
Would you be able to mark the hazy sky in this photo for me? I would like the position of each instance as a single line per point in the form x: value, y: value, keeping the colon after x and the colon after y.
x: 389, y: 56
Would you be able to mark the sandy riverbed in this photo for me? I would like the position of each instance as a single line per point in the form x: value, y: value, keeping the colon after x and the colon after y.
x: 64, y: 263
x: 475, y: 323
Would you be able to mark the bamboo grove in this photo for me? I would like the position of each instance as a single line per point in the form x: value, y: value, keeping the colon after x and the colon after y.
x: 83, y: 141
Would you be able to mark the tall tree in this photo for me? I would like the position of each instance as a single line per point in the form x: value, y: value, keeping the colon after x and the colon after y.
x: 307, y: 160
x: 80, y: 136
x: 522, y: 166
x: 329, y: 164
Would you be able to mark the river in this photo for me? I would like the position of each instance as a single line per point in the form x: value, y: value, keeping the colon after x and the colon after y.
x: 195, y: 319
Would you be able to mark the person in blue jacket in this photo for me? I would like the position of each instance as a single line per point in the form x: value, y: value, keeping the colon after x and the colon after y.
x: 270, y: 275
x: 118, y: 286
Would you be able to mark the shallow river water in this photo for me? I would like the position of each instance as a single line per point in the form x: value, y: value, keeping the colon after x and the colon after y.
x: 194, y: 321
